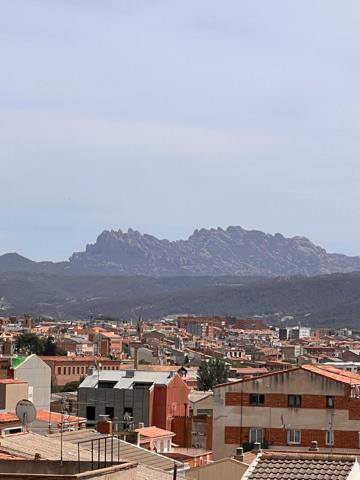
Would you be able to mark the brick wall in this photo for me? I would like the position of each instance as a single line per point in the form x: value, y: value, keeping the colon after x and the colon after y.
x: 275, y: 400
x: 279, y: 437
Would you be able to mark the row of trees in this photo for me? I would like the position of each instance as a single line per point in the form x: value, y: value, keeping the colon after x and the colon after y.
x: 28, y: 343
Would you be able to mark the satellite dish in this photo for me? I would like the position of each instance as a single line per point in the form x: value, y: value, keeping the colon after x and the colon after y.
x: 26, y: 412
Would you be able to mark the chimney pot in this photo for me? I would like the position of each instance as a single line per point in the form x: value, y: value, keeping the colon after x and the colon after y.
x: 239, y: 451
x: 314, y: 446
x: 257, y: 447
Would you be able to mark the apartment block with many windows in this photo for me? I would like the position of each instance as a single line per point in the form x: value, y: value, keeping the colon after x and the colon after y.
x: 286, y: 408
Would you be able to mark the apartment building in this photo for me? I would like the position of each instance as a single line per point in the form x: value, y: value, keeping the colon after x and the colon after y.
x: 148, y: 397
x: 291, y: 407
x: 65, y: 369
x: 108, y: 344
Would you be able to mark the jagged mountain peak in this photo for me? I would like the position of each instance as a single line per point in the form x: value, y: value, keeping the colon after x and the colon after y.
x: 211, y: 251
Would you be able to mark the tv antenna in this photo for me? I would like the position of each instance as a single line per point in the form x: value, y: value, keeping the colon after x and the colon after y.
x: 26, y: 413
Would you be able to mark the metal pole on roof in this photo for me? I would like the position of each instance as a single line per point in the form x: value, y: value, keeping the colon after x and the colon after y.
x: 175, y: 472
x: 61, y: 436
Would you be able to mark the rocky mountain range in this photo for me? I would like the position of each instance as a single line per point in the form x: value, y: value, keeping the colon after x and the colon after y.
x: 232, y: 251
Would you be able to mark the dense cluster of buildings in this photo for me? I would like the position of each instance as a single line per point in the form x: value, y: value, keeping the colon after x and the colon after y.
x: 125, y: 397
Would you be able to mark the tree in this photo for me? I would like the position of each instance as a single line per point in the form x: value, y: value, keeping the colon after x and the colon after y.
x: 29, y: 343
x: 49, y: 346
x: 212, y: 372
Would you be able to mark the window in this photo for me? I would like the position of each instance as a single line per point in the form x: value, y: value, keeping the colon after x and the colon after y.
x: 256, y: 435
x: 330, y: 402
x: 106, y: 384
x: 257, y: 399
x: 78, y: 370
x: 329, y: 437
x: 294, y: 401
x: 90, y: 412
x: 59, y: 370
x: 205, y: 411
x: 109, y: 411
x: 294, y: 436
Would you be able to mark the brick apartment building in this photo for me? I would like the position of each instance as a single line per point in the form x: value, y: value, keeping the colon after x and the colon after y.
x: 148, y: 397
x: 65, y: 369
x: 201, y: 326
x: 107, y: 344
x: 291, y: 407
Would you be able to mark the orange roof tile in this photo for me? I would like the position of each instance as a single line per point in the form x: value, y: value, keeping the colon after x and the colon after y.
x: 154, y: 432
x: 333, y: 373
x: 45, y: 416
x: 10, y: 380
x: 8, y: 417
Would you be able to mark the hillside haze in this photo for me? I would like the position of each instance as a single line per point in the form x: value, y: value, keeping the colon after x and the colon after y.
x: 234, y: 251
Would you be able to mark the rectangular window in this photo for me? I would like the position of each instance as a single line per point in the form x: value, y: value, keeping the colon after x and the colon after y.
x: 294, y: 436
x: 90, y: 412
x: 294, y: 401
x: 330, y: 402
x: 78, y: 370
x: 109, y: 411
x: 329, y: 438
x: 59, y: 370
x: 257, y: 399
x: 256, y: 435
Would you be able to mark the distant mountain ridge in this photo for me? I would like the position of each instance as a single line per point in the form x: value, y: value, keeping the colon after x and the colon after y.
x: 232, y: 251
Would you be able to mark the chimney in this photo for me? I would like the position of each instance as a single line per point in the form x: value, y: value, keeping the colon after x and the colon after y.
x: 141, y: 425
x: 239, y: 455
x: 314, y: 446
x: 104, y: 425
x: 257, y: 447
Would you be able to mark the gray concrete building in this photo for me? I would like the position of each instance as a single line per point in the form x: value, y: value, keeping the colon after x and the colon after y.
x: 37, y: 374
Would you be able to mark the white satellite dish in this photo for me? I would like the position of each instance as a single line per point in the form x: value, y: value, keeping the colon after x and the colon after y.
x: 26, y: 412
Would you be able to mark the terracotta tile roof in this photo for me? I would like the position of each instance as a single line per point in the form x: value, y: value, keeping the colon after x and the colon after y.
x: 70, y: 358
x: 8, y: 417
x: 154, y: 432
x: 7, y: 456
x: 301, y: 467
x: 45, y: 416
x: 350, y: 378
x: 10, y: 381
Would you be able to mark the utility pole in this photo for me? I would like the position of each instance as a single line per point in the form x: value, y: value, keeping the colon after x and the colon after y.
x: 64, y: 409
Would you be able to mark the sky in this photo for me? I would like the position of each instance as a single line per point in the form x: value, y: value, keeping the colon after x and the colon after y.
x: 166, y: 116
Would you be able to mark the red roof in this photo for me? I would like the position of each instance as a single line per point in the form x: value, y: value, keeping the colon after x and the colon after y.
x: 327, y: 371
x: 46, y: 416
x: 333, y: 373
x: 8, y: 417
x: 10, y: 380
x: 154, y: 432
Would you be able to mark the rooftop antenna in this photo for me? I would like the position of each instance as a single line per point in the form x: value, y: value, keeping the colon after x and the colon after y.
x: 26, y: 413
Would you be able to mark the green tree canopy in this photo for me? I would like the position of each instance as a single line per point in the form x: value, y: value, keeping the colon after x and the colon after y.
x: 212, y: 372
x: 30, y: 343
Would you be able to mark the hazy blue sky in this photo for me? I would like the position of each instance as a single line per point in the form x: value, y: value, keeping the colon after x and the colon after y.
x: 168, y: 115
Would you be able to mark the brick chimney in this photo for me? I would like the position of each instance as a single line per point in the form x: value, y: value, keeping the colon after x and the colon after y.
x: 104, y: 425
